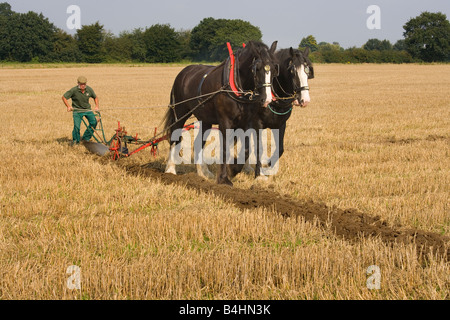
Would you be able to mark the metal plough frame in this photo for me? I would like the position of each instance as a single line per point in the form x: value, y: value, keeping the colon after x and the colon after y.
x: 118, y: 144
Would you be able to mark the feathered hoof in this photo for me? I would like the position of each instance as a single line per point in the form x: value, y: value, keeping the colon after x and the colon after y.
x: 225, y: 181
x: 171, y: 170
x: 248, y: 169
x: 262, y: 178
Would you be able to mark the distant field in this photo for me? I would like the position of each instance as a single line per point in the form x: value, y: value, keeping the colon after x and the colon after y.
x: 369, y: 156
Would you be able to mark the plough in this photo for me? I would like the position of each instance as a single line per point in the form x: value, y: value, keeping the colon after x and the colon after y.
x: 118, y: 145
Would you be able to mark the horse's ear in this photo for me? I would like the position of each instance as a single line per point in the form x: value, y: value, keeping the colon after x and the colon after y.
x: 250, y: 45
x: 291, y: 52
x: 306, y: 52
x: 273, y: 47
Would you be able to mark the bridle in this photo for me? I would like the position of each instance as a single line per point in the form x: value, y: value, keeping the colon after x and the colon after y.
x: 252, y: 95
x: 297, y: 85
x: 297, y: 89
x: 267, y: 77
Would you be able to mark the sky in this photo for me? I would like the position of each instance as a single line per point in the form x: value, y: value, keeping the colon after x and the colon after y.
x: 287, y: 21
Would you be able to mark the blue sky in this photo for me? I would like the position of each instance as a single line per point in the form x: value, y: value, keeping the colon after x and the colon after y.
x: 287, y: 21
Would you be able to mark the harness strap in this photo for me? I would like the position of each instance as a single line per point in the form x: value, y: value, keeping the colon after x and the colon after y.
x: 201, y: 82
x: 279, y: 113
x: 232, y: 70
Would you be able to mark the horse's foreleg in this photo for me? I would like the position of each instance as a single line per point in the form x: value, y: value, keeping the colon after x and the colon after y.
x: 175, y: 140
x: 248, y: 168
x: 170, y: 167
x: 199, y: 144
x: 222, y: 173
x: 279, y: 147
x: 236, y: 167
x: 259, y: 146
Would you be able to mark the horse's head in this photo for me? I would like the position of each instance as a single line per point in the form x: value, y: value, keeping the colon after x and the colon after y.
x: 301, y: 69
x: 263, y: 67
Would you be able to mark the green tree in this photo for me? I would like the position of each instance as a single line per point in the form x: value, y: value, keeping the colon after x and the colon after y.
x: 138, y: 50
x: 119, y: 48
x: 162, y: 44
x: 325, y: 46
x: 309, y: 42
x: 375, y: 44
x: 24, y: 36
x: 427, y: 37
x: 5, y: 13
x: 399, y: 45
x: 5, y: 9
x: 90, y: 41
x: 201, y: 38
x: 208, y: 39
x: 236, y: 32
x: 184, y: 37
x: 65, y: 48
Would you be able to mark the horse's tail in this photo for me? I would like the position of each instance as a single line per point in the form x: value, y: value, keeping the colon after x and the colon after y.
x: 170, y: 116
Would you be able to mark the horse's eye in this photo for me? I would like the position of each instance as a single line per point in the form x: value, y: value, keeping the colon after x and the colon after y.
x: 277, y: 70
x: 306, y: 69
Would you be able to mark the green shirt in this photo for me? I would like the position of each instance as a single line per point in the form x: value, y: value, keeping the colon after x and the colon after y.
x: 80, y: 100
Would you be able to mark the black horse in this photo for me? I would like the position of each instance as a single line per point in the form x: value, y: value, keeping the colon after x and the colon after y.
x: 205, y: 92
x: 290, y: 88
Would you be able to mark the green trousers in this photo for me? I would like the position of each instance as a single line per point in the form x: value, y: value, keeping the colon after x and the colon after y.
x: 77, y: 118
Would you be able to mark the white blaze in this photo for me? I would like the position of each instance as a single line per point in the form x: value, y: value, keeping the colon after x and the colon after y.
x: 268, y: 89
x: 303, y: 83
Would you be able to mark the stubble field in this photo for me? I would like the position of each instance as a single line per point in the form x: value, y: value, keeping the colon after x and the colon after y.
x: 364, y: 182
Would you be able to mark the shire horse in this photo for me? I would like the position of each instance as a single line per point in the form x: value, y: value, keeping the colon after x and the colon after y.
x: 290, y: 88
x: 205, y: 92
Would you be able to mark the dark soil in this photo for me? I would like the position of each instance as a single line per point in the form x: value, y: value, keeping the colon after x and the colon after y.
x: 348, y: 224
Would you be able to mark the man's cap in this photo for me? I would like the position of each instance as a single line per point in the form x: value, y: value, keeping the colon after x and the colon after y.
x: 82, y: 79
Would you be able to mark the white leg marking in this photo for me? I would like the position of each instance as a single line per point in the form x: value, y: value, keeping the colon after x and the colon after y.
x: 170, y: 167
x: 203, y: 171
x: 248, y: 168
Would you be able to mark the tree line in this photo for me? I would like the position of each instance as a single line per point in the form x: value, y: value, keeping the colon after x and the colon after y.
x: 373, y: 51
x: 26, y: 37
x: 426, y: 38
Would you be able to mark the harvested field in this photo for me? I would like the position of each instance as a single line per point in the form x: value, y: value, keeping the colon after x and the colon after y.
x: 364, y: 181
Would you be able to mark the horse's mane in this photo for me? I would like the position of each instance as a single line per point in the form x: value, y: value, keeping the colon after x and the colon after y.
x: 256, y: 46
x: 283, y: 55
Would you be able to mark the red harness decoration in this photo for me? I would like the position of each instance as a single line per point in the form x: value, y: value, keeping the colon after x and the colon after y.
x: 232, y: 64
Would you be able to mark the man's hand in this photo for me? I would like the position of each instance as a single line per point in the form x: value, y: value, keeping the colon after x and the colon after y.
x: 69, y: 108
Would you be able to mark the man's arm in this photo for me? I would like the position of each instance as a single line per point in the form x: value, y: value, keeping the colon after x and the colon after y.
x: 69, y: 108
x: 96, y: 104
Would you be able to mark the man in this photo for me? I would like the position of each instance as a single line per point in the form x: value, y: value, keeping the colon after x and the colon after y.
x: 81, y: 107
